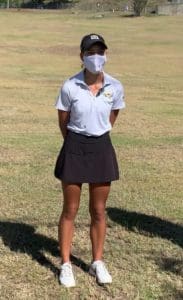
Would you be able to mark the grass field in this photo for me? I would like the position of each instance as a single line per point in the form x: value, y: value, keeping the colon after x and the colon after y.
x: 143, y: 250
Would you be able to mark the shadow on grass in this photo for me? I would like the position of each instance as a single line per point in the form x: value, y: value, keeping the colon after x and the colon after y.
x: 147, y: 225
x: 169, y: 264
x: 171, y: 292
x: 21, y: 237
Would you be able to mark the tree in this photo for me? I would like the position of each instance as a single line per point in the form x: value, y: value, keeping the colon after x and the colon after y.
x: 138, y: 6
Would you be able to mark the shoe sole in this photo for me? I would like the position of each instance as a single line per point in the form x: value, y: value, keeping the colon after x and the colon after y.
x: 67, y: 286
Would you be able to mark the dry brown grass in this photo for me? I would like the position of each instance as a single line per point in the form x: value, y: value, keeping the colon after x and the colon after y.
x: 38, y: 50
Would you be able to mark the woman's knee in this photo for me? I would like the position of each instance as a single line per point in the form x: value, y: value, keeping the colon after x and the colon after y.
x: 69, y: 212
x: 97, y: 215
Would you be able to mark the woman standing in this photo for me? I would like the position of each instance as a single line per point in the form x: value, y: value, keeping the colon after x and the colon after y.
x: 88, y: 105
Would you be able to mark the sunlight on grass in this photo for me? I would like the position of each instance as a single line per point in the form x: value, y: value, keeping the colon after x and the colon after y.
x: 38, y: 51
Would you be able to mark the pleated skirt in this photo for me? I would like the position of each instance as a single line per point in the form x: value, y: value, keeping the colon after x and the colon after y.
x: 86, y: 159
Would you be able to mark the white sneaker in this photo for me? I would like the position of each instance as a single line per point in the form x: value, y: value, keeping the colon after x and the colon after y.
x: 98, y: 269
x: 66, y: 277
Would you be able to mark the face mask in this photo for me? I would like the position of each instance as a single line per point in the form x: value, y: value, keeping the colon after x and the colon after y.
x: 94, y: 63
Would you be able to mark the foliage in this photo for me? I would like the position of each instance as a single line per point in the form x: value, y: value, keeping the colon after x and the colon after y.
x: 38, y: 3
x: 102, y: 5
x: 138, y: 6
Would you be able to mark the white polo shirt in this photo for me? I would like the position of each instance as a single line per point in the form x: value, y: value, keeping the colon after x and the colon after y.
x: 89, y: 114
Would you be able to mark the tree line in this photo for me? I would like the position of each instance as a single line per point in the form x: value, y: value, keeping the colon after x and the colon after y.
x: 135, y: 6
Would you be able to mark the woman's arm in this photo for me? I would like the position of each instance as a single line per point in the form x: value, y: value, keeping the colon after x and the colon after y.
x: 113, y: 116
x: 63, y: 119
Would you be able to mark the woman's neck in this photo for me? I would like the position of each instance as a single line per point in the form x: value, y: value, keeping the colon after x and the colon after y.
x: 93, y: 79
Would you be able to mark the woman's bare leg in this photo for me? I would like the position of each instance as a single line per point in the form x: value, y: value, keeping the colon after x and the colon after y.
x: 98, y: 197
x: 71, y: 193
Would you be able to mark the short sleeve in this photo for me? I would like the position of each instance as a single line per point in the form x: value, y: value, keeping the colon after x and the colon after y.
x: 118, y: 100
x: 63, y: 101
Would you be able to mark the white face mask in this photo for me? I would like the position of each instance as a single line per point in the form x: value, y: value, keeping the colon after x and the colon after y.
x: 94, y: 63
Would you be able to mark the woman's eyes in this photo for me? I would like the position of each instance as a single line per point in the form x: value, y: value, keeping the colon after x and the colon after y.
x: 88, y: 53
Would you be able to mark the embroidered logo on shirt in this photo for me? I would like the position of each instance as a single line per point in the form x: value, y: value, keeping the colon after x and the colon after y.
x: 108, y: 94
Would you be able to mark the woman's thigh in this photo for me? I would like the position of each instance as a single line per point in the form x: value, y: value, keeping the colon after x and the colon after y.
x: 71, y: 193
x: 98, y: 196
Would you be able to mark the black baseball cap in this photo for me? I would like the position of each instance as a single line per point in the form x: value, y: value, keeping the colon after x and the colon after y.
x: 91, y: 39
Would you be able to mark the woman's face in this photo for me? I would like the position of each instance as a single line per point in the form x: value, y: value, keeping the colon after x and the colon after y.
x: 95, y: 49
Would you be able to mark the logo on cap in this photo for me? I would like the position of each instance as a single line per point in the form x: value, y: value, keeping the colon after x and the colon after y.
x: 94, y: 37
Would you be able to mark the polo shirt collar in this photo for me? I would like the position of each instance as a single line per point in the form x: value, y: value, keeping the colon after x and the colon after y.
x: 79, y: 79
